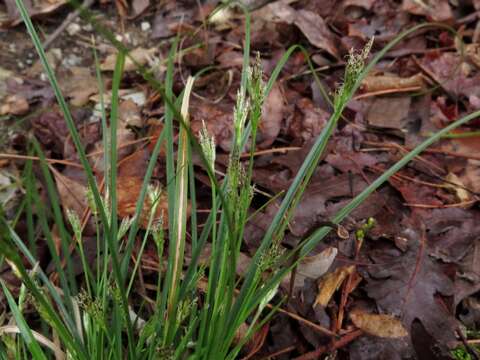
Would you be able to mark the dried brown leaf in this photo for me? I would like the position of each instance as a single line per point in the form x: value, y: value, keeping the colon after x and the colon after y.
x: 73, y: 194
x: 130, y: 114
x: 310, y: 24
x: 316, y: 31
x: 330, y: 283
x: 389, y: 112
x: 35, y: 9
x: 455, y: 184
x: 272, y: 116
x: 79, y: 85
x: 381, y: 325
x: 141, y: 55
x: 437, y: 10
x: 14, y: 105
x: 392, y: 83
x: 128, y: 191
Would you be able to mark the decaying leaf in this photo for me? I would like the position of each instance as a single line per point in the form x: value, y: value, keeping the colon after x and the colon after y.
x: 272, y: 116
x: 130, y: 114
x: 455, y: 184
x: 34, y: 8
x: 473, y: 53
x: 437, y: 10
x: 330, y: 283
x: 139, y: 6
x: 141, y: 56
x: 311, y: 24
x: 381, y: 325
x: 408, y: 286
x: 14, y: 105
x: 452, y: 73
x: 73, y: 194
x: 54, y: 57
x: 389, y: 112
x: 79, y: 85
x: 8, y: 187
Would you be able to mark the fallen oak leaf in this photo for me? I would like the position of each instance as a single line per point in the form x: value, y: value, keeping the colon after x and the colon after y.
x: 381, y: 325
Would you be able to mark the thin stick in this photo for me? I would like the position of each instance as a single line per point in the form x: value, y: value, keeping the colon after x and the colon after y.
x: 336, y: 345
x: 279, y: 352
x: 36, y: 158
x: 271, y: 151
x: 72, y: 16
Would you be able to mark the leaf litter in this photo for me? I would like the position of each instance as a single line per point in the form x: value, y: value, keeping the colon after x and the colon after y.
x: 414, y: 276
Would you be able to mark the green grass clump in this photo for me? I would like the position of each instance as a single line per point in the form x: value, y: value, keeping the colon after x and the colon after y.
x: 97, y: 315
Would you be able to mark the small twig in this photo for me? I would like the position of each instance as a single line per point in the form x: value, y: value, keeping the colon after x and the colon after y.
x: 336, y: 345
x: 442, y: 206
x: 387, y: 91
x: 72, y: 16
x: 279, y: 352
x: 306, y: 322
x: 36, y: 158
x: 281, y: 150
x: 386, y: 146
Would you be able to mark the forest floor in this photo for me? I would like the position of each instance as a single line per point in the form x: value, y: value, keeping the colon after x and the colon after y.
x: 419, y: 263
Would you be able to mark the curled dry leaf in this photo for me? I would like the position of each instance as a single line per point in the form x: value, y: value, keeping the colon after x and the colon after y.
x: 392, y: 83
x: 381, y: 325
x: 314, y: 266
x: 130, y: 114
x: 330, y: 283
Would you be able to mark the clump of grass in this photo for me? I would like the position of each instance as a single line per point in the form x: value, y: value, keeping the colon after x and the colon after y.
x: 198, y: 310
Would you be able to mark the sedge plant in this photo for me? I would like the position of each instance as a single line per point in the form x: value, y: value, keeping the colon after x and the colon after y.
x: 198, y: 308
